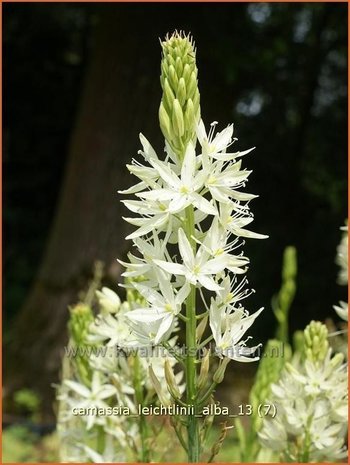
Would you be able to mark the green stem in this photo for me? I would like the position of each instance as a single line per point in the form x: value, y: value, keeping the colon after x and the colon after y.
x: 144, y: 454
x: 191, y: 355
x: 100, y: 439
x: 307, y: 441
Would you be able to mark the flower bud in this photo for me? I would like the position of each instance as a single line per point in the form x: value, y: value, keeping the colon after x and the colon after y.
x: 164, y: 121
x: 171, y: 381
x: 158, y: 388
x: 186, y: 72
x: 168, y: 95
x: 220, y: 372
x: 178, y: 66
x: 203, y: 374
x: 109, y: 301
x: 81, y: 317
x: 181, y: 92
x: 178, y: 119
x: 201, y: 328
x: 174, y: 80
x: 337, y: 360
x: 192, y: 86
x: 190, y: 116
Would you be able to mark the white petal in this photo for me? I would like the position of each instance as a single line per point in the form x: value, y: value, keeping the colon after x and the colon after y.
x: 178, y: 203
x: 202, y: 204
x: 182, y: 294
x: 232, y: 178
x: 219, y: 194
x: 185, y: 249
x: 215, y: 265
x: 147, y: 147
x: 209, y: 283
x: 107, y: 391
x: 242, y: 195
x: 188, y: 165
x: 164, y: 327
x: 231, y: 156
x: 172, y: 268
x: 215, y: 321
x: 165, y: 288
x: 201, y: 132
x: 77, y: 387
x: 133, y: 189
x: 149, y: 226
x: 145, y: 315
x: 239, y: 329
x: 250, y: 234
x: 223, y: 138
x: 148, y: 293
x: 166, y: 173
x: 157, y: 194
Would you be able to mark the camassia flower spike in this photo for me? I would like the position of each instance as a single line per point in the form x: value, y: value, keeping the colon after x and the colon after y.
x: 191, y: 216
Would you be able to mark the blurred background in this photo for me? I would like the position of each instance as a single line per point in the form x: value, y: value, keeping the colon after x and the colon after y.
x: 82, y: 80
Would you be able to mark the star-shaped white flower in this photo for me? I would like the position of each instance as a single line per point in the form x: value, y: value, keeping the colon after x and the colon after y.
x: 237, y: 222
x: 164, y: 305
x: 196, y: 268
x: 180, y: 191
x: 93, y: 397
x: 229, y: 328
x: 216, y: 245
x: 216, y: 146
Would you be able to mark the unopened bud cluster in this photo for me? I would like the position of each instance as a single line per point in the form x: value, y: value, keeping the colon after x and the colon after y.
x: 315, y: 341
x: 269, y: 370
x: 179, y: 110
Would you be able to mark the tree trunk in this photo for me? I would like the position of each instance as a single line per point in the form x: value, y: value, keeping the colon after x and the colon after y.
x: 120, y: 97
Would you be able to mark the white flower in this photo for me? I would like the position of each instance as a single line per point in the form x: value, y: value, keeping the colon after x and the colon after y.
x: 109, y: 327
x: 236, y: 222
x: 229, y: 328
x: 232, y: 292
x: 274, y: 435
x: 183, y: 191
x: 164, y: 306
x: 108, y: 300
x: 323, y: 434
x: 159, y: 210
x: 149, y: 333
x: 148, y: 175
x: 215, y: 244
x: 151, y: 250
x: 196, y: 268
x: 91, y: 398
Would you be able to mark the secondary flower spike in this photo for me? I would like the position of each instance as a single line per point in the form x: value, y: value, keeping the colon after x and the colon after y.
x: 179, y: 110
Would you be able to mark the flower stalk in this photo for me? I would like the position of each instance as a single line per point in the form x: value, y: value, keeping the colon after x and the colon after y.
x: 174, y: 198
x: 191, y: 356
x: 139, y: 395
